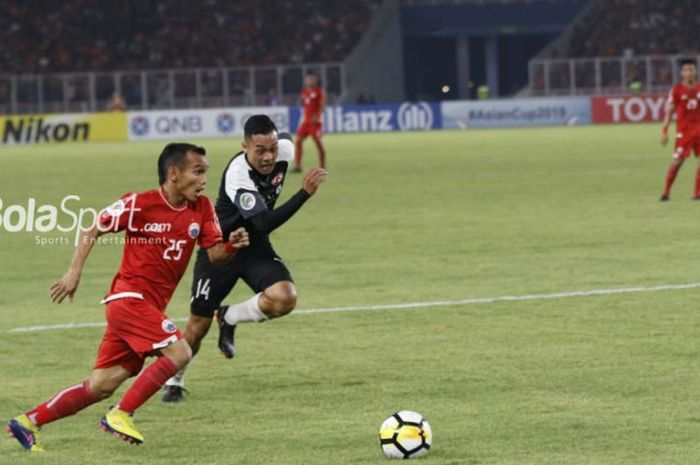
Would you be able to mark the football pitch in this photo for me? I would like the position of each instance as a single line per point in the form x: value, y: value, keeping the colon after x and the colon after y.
x: 414, y: 218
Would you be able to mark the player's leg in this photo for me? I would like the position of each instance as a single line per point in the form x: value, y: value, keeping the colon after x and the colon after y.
x: 302, y: 133
x: 696, y: 150
x: 111, y: 370
x: 681, y: 153
x: 316, y: 135
x: 210, y: 285
x: 148, y: 332
x: 276, y: 296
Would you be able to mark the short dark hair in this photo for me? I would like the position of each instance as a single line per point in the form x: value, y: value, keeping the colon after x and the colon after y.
x: 174, y: 155
x: 688, y: 61
x: 258, y: 124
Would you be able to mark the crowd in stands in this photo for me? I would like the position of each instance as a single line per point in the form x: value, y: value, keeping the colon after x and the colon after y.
x: 638, y: 27
x: 92, y: 35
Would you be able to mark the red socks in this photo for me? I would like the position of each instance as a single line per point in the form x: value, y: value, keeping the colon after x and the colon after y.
x: 67, y: 402
x: 321, y: 153
x: 147, y: 383
x: 670, y: 177
x: 697, y: 183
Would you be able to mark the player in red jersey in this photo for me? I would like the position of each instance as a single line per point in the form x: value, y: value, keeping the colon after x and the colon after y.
x: 313, y: 98
x: 683, y: 100
x: 162, y: 227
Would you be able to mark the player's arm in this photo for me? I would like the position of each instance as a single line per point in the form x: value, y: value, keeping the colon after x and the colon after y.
x: 221, y: 252
x: 670, y: 110
x: 321, y: 107
x: 68, y: 284
x: 267, y: 221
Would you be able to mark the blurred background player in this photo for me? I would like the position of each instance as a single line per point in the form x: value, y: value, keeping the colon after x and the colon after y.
x: 313, y: 99
x: 683, y: 100
x: 154, y: 260
x: 250, y: 186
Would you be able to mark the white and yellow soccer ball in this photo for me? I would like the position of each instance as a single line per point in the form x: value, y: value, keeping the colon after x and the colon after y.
x: 405, y: 435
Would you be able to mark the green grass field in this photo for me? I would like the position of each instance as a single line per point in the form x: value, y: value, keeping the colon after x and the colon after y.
x: 608, y: 379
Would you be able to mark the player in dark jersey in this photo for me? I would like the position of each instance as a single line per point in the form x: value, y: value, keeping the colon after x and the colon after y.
x: 250, y: 186
x: 684, y: 100
x: 162, y: 227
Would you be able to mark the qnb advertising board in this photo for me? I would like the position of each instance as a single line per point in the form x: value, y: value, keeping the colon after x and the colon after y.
x: 466, y: 114
x: 63, y: 128
x: 185, y: 124
x: 407, y: 116
x: 628, y: 109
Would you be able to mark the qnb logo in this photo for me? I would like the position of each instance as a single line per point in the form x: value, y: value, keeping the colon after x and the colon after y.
x: 415, y: 116
x: 225, y: 123
x: 140, y: 126
x: 157, y: 227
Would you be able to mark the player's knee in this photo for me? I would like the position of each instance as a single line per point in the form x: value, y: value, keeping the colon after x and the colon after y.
x: 102, y: 388
x: 180, y: 353
x: 197, y: 329
x: 283, y: 301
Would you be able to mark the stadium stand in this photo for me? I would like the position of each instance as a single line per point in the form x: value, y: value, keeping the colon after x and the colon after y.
x: 637, y: 27
x: 93, y: 35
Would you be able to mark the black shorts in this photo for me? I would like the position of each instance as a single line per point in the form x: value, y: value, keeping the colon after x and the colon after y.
x: 260, y: 267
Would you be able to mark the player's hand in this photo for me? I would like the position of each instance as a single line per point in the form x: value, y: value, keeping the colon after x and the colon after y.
x: 313, y: 179
x: 664, y: 138
x: 65, y: 287
x: 239, y: 238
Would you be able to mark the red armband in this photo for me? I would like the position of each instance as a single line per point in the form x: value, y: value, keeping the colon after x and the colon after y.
x: 229, y: 248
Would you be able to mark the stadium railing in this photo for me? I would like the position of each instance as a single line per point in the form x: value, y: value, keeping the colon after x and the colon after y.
x: 159, y: 89
x: 603, y: 75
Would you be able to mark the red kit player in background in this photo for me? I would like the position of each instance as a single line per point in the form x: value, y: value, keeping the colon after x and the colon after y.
x: 314, y: 100
x: 684, y: 100
x: 162, y: 227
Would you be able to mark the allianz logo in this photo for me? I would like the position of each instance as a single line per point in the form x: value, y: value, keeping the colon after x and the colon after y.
x: 408, y: 117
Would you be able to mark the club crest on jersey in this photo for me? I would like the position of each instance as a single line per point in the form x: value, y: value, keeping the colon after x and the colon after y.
x: 247, y: 201
x: 277, y: 180
x: 193, y: 230
x: 168, y: 326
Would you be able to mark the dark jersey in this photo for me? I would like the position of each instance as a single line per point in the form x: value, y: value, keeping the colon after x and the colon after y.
x: 245, y: 193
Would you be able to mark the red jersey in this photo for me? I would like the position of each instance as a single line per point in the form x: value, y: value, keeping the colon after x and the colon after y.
x: 312, y: 98
x: 158, y: 243
x: 686, y: 100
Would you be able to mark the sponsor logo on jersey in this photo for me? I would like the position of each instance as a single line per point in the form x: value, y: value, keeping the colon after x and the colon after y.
x: 277, y: 180
x: 168, y: 326
x: 247, y: 201
x: 193, y: 230
x: 157, y: 227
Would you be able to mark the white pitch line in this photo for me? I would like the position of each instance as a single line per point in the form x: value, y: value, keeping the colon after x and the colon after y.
x: 439, y: 303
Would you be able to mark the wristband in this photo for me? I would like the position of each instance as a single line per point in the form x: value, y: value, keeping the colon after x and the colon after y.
x: 229, y: 248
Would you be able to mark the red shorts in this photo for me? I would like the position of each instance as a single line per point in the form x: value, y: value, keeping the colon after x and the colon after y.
x: 315, y: 130
x: 135, y: 328
x: 687, y: 142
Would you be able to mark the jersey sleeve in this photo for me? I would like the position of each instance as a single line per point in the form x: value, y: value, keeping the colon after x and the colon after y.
x: 249, y: 203
x: 211, y: 230
x: 117, y: 216
x: 241, y: 189
x: 673, y: 96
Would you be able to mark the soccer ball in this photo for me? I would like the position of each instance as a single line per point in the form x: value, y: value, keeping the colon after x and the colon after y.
x: 405, y: 435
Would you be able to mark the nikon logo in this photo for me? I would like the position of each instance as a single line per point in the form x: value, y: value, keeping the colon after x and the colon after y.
x: 31, y: 130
